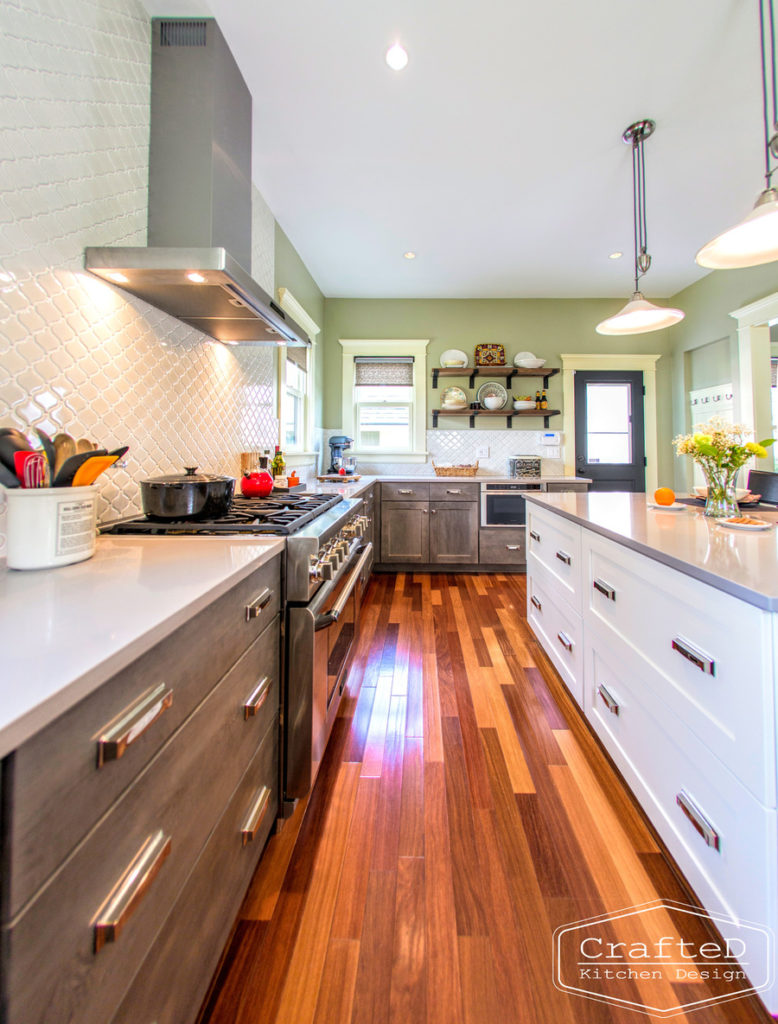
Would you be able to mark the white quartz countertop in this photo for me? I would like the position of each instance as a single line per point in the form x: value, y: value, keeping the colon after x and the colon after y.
x: 358, y: 487
x: 65, y: 631
x: 741, y: 563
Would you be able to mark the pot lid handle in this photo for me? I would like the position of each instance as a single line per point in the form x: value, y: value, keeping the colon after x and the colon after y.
x: 190, y: 470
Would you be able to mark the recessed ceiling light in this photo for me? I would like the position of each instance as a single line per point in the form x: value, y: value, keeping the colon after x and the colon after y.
x: 409, y: 255
x: 615, y: 255
x: 396, y: 57
x: 197, y: 278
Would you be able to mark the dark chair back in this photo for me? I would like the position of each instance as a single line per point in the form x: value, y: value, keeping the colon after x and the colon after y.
x: 765, y: 484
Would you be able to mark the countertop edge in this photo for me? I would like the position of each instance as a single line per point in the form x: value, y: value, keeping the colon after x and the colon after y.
x: 752, y: 597
x: 16, y: 732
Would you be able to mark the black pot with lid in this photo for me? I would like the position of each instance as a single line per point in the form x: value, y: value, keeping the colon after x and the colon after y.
x: 187, y: 495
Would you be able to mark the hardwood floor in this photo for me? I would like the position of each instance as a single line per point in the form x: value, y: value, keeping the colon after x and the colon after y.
x: 462, y: 813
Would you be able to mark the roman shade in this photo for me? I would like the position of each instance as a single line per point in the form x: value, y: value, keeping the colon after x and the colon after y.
x: 383, y: 371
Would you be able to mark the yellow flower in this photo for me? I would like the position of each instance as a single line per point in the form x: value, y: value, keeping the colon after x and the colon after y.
x: 702, y: 439
x: 756, y: 449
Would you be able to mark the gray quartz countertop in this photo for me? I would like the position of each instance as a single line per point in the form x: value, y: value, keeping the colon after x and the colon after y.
x: 741, y: 563
x: 65, y: 631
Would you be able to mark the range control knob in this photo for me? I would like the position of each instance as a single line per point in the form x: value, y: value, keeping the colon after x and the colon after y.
x: 326, y: 569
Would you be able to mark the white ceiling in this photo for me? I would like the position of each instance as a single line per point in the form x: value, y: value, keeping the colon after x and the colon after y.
x: 497, y: 154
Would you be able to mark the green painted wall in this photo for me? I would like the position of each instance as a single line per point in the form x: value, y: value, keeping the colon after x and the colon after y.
x: 708, y: 305
x: 546, y: 327
x: 291, y: 273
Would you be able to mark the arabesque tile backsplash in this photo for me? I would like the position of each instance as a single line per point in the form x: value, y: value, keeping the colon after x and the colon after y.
x: 75, y: 353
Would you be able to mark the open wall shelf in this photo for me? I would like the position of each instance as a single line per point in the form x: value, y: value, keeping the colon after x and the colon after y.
x: 509, y: 372
x: 506, y: 414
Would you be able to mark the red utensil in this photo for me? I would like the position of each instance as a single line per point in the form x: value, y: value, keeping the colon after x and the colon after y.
x: 32, y: 469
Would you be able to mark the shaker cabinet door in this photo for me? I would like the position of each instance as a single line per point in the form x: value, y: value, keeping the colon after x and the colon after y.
x: 405, y: 531
x: 454, y: 532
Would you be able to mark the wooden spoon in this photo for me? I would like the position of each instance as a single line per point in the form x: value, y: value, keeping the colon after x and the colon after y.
x: 64, y: 449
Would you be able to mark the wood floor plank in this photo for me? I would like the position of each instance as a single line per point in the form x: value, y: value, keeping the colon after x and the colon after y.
x: 411, y: 829
x: 408, y: 990
x: 266, y: 885
x: 339, y: 979
x: 374, y: 972
x: 349, y: 911
x: 479, y: 989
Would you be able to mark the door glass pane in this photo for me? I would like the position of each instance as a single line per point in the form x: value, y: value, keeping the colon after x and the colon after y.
x: 608, y: 433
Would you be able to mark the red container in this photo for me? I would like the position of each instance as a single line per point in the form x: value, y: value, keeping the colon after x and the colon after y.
x: 256, y: 485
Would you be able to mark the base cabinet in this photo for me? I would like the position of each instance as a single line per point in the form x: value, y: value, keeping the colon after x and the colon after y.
x: 453, y: 527
x: 405, y: 531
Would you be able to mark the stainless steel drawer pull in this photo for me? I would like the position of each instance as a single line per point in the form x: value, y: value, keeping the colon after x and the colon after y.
x: 698, y: 819
x: 404, y: 490
x: 535, y: 536
x: 456, y: 491
x: 130, y: 890
x: 537, y: 603
x: 256, y: 814
x: 564, y: 557
x: 254, y: 702
x: 254, y: 610
x: 513, y: 547
x: 132, y: 723
x: 604, y: 588
x: 610, y: 703
x: 565, y: 641
x: 695, y: 656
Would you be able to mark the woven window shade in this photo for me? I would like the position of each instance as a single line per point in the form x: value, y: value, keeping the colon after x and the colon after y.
x: 383, y: 370
x: 774, y: 373
x: 298, y: 355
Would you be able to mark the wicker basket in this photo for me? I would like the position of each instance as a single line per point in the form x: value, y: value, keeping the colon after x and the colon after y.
x: 455, y: 470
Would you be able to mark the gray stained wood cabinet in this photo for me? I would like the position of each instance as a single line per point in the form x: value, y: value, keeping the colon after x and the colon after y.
x: 429, y: 523
x: 191, y: 784
x: 453, y: 529
x: 405, y: 531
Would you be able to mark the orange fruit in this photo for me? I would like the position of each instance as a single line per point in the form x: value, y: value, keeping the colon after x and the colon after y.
x: 664, y: 496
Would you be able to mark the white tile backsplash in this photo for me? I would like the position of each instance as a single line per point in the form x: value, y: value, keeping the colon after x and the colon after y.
x: 77, y: 354
x: 459, y: 446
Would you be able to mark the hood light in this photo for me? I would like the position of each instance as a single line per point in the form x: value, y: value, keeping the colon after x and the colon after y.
x: 409, y: 255
x: 196, y: 278
x: 118, y: 277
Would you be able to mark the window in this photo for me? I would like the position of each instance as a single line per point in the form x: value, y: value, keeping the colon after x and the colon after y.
x: 608, y: 423
x: 294, y: 407
x: 384, y: 398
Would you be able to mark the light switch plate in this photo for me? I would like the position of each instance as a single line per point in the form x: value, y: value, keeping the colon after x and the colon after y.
x: 552, y: 452
x: 482, y: 452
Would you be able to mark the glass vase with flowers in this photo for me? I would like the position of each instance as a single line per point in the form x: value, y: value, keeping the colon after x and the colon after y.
x: 720, y: 450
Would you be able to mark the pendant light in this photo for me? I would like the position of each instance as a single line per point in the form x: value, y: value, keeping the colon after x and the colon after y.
x: 639, y: 316
x: 755, y: 239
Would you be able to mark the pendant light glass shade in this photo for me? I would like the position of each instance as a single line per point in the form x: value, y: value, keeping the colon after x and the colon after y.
x: 748, y: 244
x: 640, y: 316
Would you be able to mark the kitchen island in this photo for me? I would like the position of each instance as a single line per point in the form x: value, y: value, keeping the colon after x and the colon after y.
x: 663, y: 627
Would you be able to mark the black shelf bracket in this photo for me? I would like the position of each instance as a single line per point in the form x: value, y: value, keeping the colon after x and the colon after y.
x: 546, y: 421
x: 434, y: 418
x: 472, y: 421
x: 508, y: 380
x: 509, y: 420
x: 434, y: 378
x: 545, y: 384
x: 473, y: 376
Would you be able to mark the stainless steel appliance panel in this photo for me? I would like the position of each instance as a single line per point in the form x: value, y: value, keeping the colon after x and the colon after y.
x: 504, y: 505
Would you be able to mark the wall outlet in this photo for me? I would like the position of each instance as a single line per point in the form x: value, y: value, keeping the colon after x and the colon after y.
x: 482, y: 452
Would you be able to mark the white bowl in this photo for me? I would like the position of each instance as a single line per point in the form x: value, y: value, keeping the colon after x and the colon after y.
x: 531, y: 364
x: 453, y: 357
x: 494, y: 402
x: 521, y: 405
x: 740, y: 492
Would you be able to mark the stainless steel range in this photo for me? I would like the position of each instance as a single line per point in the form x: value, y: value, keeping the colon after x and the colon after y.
x: 327, y: 565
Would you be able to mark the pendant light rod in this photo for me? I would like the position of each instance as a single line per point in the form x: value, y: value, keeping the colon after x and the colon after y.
x: 769, y: 89
x: 635, y: 136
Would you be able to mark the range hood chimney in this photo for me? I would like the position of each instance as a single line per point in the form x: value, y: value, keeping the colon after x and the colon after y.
x: 199, y: 216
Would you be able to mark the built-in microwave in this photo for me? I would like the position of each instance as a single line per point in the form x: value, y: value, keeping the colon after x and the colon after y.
x: 502, y: 504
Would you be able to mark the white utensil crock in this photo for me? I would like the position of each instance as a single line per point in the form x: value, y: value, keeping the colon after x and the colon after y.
x: 48, y: 526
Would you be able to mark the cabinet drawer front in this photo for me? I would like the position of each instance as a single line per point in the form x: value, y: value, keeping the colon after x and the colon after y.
x: 405, y: 492
x: 556, y: 544
x: 54, y: 973
x: 722, y: 838
x: 169, y: 987
x: 559, y: 630
x: 504, y: 546
x: 709, y: 653
x: 454, y: 492
x: 50, y: 811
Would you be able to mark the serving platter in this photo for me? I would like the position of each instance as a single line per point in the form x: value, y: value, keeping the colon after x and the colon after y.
x: 730, y: 525
x: 492, y: 388
x: 675, y: 507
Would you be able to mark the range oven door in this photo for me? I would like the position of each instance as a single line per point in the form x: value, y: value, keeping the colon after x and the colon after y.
x: 321, y: 638
x: 504, y: 505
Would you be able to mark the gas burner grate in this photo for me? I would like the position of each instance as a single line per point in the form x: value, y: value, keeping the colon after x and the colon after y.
x: 277, y: 514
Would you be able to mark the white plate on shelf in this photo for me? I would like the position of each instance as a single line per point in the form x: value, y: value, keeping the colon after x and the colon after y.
x: 676, y: 506
x: 453, y: 398
x: 763, y: 525
x: 453, y: 357
x: 494, y: 389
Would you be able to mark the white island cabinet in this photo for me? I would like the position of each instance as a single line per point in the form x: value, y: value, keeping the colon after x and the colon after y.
x: 664, y: 627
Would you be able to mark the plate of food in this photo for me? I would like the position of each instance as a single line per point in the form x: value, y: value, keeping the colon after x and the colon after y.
x: 492, y: 389
x: 676, y: 506
x: 745, y: 523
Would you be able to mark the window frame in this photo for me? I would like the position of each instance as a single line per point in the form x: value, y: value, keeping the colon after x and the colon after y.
x: 304, y: 453
x: 416, y: 347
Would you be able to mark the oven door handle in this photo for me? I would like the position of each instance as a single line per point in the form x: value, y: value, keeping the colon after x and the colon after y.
x: 327, y: 619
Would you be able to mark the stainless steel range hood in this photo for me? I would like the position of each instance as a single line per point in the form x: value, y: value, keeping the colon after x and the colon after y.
x: 199, y: 216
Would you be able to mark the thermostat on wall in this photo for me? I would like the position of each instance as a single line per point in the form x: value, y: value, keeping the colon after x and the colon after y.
x: 550, y: 437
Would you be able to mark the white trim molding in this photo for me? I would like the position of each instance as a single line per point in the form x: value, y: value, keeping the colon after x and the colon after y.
x: 752, y: 398
x: 602, y: 361
x: 290, y: 305
x: 416, y: 347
